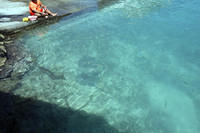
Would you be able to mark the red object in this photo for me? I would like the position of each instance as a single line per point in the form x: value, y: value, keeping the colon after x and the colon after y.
x: 35, y: 6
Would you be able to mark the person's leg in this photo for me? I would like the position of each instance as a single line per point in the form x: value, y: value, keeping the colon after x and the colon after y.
x: 49, y: 12
x: 37, y: 14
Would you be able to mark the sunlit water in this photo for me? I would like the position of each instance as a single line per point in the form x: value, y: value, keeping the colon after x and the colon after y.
x: 139, y: 72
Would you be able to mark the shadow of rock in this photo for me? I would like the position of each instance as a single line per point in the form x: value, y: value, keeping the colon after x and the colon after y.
x: 22, y: 115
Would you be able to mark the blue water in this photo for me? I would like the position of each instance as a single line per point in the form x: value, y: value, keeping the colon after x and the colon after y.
x: 139, y: 71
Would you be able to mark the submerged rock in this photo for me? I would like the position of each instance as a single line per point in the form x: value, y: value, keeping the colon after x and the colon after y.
x: 90, y: 70
x: 5, y: 71
x: 3, y: 48
x: 9, y: 85
x: 15, y: 61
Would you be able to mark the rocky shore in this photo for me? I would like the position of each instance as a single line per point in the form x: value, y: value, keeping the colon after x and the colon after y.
x: 15, y: 60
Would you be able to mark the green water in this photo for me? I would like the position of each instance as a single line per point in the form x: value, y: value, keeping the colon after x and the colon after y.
x: 137, y: 69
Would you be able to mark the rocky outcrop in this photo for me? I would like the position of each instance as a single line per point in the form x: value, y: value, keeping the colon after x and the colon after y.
x: 18, y: 61
x: 15, y: 61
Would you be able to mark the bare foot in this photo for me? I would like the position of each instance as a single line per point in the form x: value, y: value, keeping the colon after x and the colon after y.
x: 54, y: 14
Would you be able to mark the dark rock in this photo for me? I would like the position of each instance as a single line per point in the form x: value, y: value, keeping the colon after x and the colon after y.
x: 9, y: 85
x: 18, y: 62
x: 20, y: 69
x: 6, y: 71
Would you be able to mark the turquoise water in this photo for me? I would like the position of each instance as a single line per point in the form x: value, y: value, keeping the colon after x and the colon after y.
x: 139, y: 71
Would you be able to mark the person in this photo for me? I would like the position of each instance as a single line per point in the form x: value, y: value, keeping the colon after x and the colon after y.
x: 36, y: 8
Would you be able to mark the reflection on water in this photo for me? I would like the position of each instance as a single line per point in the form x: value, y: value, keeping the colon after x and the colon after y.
x: 134, y: 72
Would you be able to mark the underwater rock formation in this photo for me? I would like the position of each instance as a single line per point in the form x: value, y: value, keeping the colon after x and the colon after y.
x: 15, y: 61
x: 89, y: 71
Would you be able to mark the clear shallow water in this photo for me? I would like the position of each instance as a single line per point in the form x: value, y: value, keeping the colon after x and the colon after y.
x: 140, y: 74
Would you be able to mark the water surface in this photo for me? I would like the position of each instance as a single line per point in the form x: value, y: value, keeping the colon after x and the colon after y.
x: 137, y: 66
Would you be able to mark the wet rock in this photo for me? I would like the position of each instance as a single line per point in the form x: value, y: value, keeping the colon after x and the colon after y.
x: 5, y: 72
x: 9, y: 85
x: 22, y: 65
x: 1, y: 43
x: 20, y: 69
x: 2, y: 61
x: 2, y: 53
x: 2, y: 50
x: 18, y: 61
x: 2, y: 37
x: 8, y: 42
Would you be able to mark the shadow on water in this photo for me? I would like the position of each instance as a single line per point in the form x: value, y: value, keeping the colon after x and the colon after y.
x: 25, y: 115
